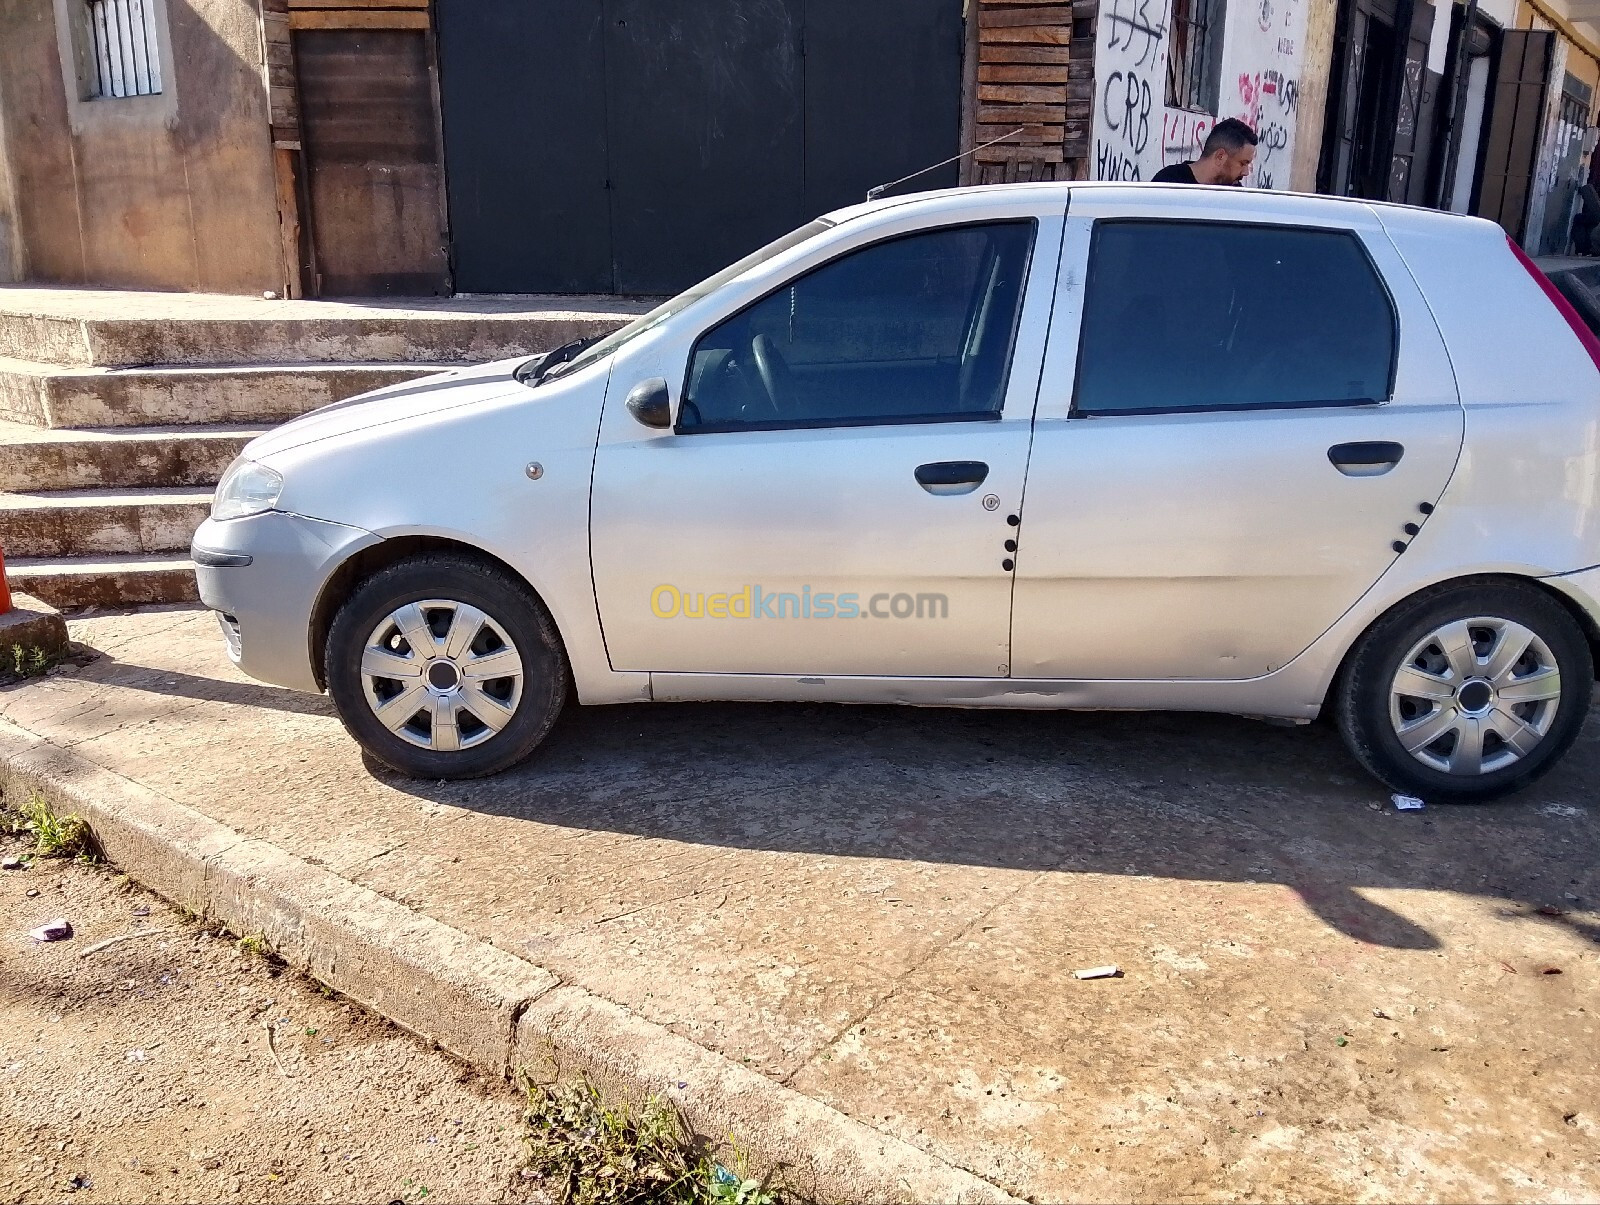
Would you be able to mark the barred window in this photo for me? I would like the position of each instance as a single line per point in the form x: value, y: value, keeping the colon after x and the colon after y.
x: 126, y: 56
x: 1194, y: 57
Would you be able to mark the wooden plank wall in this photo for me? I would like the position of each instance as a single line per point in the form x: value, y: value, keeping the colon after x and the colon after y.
x: 279, y: 49
x: 283, y: 108
x: 1036, y: 76
x: 278, y: 19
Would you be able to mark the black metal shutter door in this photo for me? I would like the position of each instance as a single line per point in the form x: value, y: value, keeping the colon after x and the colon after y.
x: 882, y: 97
x: 1512, y: 145
x: 522, y: 94
x: 705, y: 135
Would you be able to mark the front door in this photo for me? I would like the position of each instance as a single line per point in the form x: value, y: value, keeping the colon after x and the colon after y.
x: 1253, y: 434
x: 838, y: 493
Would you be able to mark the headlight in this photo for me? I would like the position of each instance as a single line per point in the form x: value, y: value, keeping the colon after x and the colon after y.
x: 247, y: 488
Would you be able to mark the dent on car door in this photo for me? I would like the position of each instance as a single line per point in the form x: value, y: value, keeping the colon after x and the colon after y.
x: 1259, y: 416
x: 833, y: 496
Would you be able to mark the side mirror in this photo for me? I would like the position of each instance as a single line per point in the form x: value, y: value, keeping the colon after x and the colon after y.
x: 650, y: 403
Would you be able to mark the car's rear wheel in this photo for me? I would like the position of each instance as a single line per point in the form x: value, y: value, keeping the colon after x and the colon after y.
x: 1466, y: 693
x: 442, y: 666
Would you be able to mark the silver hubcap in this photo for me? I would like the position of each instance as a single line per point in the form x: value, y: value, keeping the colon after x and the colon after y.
x: 441, y: 675
x: 1475, y: 696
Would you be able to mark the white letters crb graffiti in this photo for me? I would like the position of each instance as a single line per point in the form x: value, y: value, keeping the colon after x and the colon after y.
x: 1125, y: 104
x: 1130, y: 82
x: 1135, y: 134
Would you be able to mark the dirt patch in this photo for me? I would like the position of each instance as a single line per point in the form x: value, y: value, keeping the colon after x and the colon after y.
x: 177, y: 1067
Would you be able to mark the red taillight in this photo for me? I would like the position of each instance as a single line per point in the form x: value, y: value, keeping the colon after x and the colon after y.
x: 1574, y: 319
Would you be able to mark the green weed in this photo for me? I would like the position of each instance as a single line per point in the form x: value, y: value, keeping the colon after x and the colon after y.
x: 53, y: 836
x: 591, y: 1153
x: 32, y: 661
x: 253, y: 943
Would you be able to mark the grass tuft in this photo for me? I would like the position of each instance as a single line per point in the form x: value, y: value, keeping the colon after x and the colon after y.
x: 29, y: 661
x: 591, y: 1153
x: 53, y: 836
x: 253, y: 943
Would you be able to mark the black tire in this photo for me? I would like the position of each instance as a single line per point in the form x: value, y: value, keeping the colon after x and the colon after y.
x: 1362, y: 695
x: 510, y: 604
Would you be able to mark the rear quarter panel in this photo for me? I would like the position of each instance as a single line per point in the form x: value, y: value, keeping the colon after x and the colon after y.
x: 1524, y: 496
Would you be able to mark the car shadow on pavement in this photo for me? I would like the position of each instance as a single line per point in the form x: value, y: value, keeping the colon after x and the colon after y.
x: 1194, y: 797
x: 177, y: 684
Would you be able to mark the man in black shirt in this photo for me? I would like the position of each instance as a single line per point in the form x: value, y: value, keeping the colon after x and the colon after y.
x: 1225, y: 158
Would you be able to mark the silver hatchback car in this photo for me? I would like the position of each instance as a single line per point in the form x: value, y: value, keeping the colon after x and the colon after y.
x: 1046, y: 446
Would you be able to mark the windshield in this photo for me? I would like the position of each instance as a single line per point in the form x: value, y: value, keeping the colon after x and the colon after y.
x: 687, y: 298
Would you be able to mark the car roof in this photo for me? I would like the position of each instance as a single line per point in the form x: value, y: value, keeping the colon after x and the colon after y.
x: 1238, y: 201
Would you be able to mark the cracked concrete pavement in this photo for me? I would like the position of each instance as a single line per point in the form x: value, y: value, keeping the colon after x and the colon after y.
x: 881, y: 908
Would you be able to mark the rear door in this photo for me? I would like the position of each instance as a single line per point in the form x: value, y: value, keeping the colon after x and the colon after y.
x: 1240, y: 426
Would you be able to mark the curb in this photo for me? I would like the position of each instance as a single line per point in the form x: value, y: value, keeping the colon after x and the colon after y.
x: 497, y: 1011
x: 31, y: 624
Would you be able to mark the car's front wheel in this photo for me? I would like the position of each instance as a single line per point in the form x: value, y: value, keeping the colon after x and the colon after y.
x: 1468, y: 692
x: 443, y: 666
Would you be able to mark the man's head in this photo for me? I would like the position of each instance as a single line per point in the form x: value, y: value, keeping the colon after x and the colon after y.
x: 1228, y: 152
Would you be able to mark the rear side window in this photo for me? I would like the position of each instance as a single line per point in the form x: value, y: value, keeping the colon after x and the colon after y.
x: 914, y: 329
x: 1225, y: 316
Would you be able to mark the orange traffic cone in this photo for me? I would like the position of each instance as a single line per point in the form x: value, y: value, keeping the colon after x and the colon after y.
x: 5, y: 586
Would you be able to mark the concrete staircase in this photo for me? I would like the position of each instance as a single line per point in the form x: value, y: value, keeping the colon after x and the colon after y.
x: 119, y: 411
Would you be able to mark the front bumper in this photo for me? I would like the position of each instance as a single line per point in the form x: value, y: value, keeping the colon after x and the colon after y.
x: 263, y: 576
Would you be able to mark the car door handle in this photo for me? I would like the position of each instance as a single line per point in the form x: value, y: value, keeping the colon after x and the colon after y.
x: 1367, y: 459
x: 952, y: 476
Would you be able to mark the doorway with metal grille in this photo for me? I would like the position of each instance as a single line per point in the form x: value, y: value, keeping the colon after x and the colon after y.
x: 1511, y: 146
x: 1572, y: 122
x: 1378, y: 135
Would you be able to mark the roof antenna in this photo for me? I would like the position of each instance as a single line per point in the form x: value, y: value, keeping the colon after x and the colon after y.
x: 874, y: 193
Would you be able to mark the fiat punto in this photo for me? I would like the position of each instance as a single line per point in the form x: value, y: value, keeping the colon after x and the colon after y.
x: 1041, y: 446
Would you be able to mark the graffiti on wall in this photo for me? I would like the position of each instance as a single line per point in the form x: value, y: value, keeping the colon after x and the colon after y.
x: 1136, y: 134
x: 1261, y: 84
x: 1130, y: 84
x: 1183, y: 133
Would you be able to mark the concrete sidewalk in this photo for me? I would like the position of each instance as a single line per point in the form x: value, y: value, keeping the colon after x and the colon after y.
x: 862, y: 923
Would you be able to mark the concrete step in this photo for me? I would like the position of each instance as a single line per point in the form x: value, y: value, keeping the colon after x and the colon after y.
x: 78, y: 523
x: 132, y: 581
x: 50, y: 395
x: 110, y: 328
x: 34, y: 459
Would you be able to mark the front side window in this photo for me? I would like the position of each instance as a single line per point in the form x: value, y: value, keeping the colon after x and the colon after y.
x: 914, y: 329
x: 1220, y: 316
